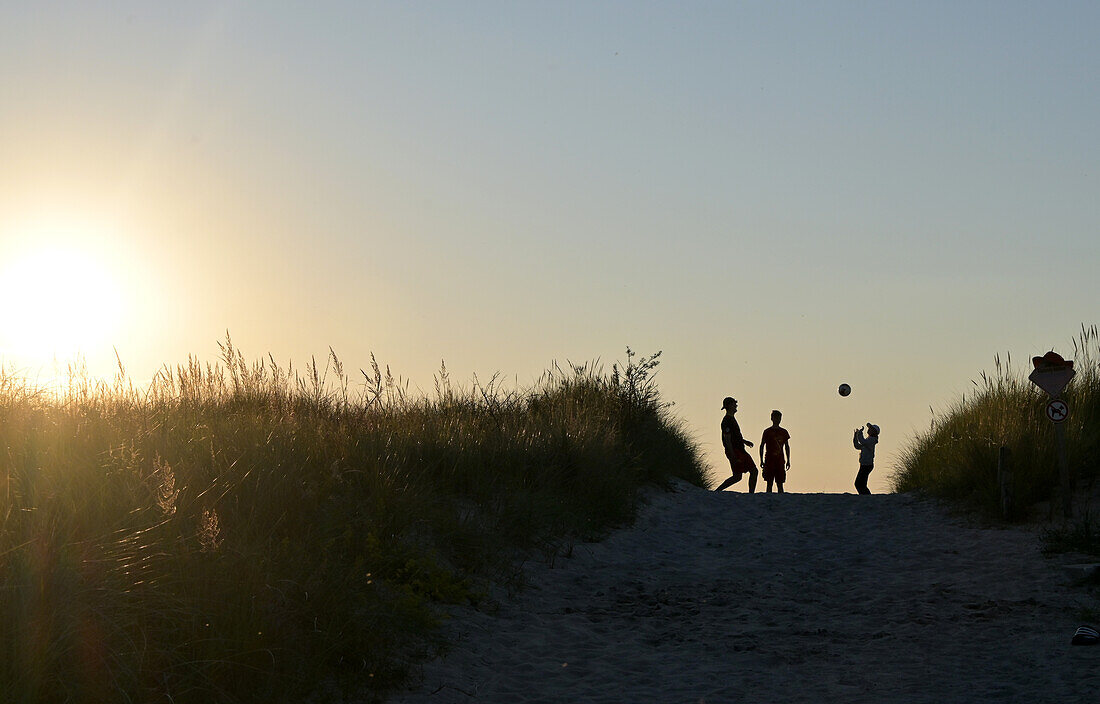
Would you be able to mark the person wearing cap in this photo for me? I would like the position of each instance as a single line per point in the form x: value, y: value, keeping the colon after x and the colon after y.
x: 866, y: 447
x: 735, y: 444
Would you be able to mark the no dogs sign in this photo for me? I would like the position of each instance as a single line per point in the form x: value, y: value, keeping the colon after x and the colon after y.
x: 1057, y: 410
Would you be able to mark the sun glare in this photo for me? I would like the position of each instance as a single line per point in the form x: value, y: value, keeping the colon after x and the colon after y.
x: 57, y: 300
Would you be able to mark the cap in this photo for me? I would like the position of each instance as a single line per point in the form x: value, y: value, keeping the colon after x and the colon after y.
x: 873, y: 429
x: 728, y: 401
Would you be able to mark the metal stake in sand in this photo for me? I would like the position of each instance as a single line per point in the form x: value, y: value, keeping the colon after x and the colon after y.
x: 1051, y: 374
x: 1004, y: 480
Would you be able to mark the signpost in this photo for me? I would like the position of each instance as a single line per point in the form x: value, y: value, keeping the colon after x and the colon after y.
x: 1057, y: 410
x: 1052, y: 379
x: 1051, y: 374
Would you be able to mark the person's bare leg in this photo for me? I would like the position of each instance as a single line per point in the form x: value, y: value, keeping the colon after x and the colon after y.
x: 729, y: 482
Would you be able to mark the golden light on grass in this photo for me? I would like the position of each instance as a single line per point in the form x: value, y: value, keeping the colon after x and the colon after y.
x: 60, y: 295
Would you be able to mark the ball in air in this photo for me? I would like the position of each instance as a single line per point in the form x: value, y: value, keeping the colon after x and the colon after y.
x: 844, y: 390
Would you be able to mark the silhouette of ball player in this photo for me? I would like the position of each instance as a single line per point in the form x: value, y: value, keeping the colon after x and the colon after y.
x: 734, y: 444
x: 773, y: 443
x: 866, y: 447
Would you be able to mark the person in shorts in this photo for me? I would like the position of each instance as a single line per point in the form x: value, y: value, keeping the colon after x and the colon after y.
x: 774, y: 444
x: 734, y: 444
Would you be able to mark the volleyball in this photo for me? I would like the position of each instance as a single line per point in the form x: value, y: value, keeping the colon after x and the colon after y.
x: 844, y: 390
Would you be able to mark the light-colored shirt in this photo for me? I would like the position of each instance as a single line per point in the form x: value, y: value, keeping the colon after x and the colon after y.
x: 866, y: 447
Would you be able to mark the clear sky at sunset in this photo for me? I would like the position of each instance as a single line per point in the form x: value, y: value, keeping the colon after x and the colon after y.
x: 780, y: 196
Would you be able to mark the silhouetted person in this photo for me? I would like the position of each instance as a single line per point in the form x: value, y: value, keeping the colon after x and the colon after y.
x: 740, y: 460
x: 772, y: 445
x: 866, y: 447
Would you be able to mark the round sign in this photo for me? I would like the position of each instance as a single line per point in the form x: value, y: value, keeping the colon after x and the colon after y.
x: 1057, y: 410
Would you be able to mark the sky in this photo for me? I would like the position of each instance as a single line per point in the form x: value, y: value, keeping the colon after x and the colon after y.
x: 778, y: 196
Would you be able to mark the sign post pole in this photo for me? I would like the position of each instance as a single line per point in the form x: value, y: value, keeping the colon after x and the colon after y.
x: 1051, y: 374
x: 1064, y: 477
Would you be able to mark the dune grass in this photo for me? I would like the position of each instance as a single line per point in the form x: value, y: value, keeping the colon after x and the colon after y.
x: 956, y: 458
x: 244, y: 532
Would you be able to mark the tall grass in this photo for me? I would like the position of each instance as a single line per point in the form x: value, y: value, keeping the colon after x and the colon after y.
x: 244, y: 532
x: 956, y: 458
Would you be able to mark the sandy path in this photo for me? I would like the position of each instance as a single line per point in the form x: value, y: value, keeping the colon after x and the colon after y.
x: 766, y: 598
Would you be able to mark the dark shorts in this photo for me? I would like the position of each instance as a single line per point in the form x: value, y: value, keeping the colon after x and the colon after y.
x: 775, y: 469
x: 741, y: 462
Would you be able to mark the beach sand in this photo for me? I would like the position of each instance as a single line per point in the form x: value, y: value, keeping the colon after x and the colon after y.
x: 773, y: 598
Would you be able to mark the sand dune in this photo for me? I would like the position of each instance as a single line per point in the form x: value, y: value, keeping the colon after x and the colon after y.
x: 766, y: 598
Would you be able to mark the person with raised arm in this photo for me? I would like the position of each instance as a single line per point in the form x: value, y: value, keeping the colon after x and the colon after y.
x: 866, y: 447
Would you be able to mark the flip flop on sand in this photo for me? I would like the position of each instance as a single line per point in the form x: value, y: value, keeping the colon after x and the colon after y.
x: 1086, y: 636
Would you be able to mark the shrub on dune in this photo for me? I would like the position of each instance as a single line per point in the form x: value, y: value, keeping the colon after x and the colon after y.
x: 956, y: 458
x: 242, y: 532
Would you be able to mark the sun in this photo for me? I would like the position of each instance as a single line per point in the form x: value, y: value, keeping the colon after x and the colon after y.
x: 57, y: 301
